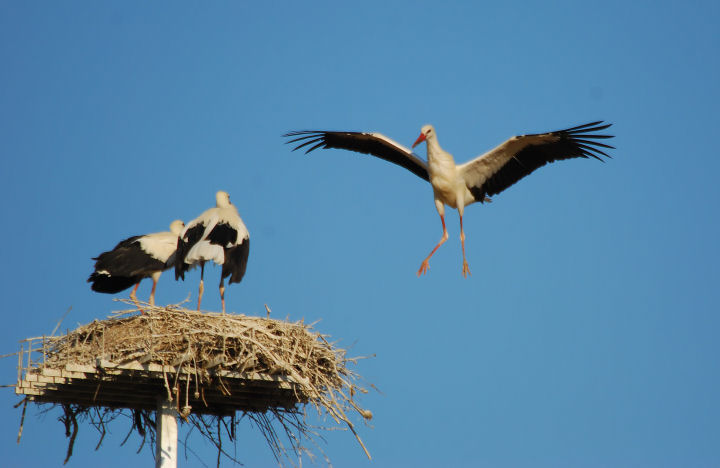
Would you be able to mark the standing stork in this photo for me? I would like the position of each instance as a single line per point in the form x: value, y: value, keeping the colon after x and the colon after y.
x: 136, y: 258
x: 458, y: 185
x: 220, y: 235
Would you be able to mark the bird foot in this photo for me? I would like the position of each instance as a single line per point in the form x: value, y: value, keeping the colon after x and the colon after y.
x: 424, y: 267
x: 466, y: 269
x: 138, y: 305
x: 133, y: 298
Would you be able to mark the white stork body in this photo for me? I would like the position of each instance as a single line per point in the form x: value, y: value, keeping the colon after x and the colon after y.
x: 136, y: 258
x: 217, y: 235
x: 445, y: 178
x: 460, y: 185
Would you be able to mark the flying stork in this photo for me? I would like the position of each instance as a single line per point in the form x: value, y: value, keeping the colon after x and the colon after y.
x: 458, y: 185
x: 220, y: 235
x: 136, y: 258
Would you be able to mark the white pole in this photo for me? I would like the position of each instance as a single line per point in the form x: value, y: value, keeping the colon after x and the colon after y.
x: 166, y: 429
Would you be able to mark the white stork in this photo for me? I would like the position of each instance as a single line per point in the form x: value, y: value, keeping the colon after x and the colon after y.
x: 458, y: 185
x: 220, y: 235
x: 136, y: 258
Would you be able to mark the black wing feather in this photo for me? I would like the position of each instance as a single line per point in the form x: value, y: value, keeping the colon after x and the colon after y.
x: 362, y: 143
x: 575, y: 142
x: 223, y: 234
x: 185, y: 243
x: 123, y: 266
x: 128, y: 259
x: 111, y: 284
x: 236, y: 259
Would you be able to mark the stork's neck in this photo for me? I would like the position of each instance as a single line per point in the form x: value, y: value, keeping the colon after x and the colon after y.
x: 437, y: 155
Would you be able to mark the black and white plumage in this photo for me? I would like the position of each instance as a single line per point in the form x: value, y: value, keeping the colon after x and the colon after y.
x: 217, y: 235
x: 136, y: 258
x: 458, y: 185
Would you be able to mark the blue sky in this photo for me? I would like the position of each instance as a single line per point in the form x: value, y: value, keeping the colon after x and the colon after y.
x: 587, y: 334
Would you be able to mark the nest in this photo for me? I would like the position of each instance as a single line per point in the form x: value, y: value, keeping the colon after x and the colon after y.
x: 218, y: 369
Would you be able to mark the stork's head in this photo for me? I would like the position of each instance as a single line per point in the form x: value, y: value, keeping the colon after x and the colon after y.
x: 426, y: 132
x: 222, y: 199
x: 177, y: 226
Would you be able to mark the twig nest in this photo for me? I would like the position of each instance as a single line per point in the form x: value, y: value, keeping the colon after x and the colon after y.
x: 210, y: 364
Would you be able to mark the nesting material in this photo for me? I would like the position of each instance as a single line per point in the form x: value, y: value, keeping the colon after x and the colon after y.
x: 211, y: 365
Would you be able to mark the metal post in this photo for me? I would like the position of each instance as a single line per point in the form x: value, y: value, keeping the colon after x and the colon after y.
x: 167, y: 434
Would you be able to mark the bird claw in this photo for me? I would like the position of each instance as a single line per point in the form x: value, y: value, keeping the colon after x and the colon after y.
x: 466, y: 269
x: 423, y: 268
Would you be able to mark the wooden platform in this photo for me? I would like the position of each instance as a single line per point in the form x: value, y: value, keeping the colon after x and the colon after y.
x: 137, y: 385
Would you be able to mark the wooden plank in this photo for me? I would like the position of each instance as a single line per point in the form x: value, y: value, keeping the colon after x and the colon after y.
x: 73, y: 375
x: 136, y: 385
x: 130, y: 385
x: 167, y: 432
x: 109, y: 390
x: 220, y: 408
x: 107, y: 366
x: 44, y: 379
x: 52, y: 372
x: 149, y: 394
x: 80, y: 368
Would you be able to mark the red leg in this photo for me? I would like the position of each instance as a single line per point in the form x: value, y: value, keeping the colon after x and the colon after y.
x: 466, y: 267
x: 222, y: 293
x: 425, y: 264
x: 202, y: 287
x: 132, y: 294
x: 152, y: 292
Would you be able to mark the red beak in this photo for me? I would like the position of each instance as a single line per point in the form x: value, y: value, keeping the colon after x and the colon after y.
x: 420, y: 139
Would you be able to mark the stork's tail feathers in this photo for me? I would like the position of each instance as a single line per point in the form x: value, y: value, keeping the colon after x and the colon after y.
x: 104, y: 283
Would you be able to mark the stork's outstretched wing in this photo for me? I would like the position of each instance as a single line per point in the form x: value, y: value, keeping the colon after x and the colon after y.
x: 374, y: 144
x: 501, y: 167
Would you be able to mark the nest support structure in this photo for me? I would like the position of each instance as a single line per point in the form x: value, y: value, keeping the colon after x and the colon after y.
x: 217, y: 369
